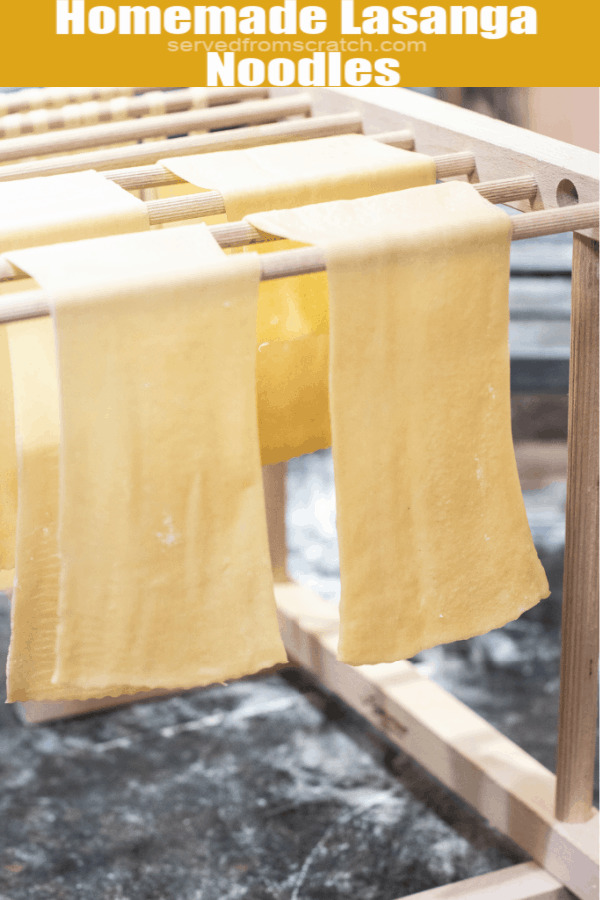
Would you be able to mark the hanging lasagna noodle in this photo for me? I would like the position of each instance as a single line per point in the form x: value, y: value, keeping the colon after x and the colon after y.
x: 45, y: 211
x: 165, y: 576
x: 8, y: 468
x: 292, y: 326
x: 434, y: 540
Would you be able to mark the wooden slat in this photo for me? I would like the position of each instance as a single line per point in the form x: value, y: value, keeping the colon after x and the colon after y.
x: 502, y: 782
x: 36, y: 712
x: 526, y: 881
x: 274, y: 487
x: 579, y: 660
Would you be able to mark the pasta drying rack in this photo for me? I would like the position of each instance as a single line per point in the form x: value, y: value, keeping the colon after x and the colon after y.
x: 550, y: 818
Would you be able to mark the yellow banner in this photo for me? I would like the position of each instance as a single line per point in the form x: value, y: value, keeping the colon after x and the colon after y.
x: 348, y: 43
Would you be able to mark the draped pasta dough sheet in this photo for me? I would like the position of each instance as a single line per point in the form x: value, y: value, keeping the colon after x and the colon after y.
x: 45, y: 211
x: 292, y: 359
x: 70, y: 207
x: 313, y: 171
x: 433, y: 536
x: 34, y: 610
x: 166, y: 578
x: 8, y: 465
x: 8, y: 454
x: 32, y: 652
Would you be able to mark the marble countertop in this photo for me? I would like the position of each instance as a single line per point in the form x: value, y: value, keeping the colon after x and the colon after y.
x: 269, y: 788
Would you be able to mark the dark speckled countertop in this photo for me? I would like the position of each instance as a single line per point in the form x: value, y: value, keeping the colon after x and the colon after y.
x: 269, y: 788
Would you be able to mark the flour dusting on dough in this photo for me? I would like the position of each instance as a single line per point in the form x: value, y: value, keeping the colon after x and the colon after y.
x: 169, y: 536
x: 478, y: 470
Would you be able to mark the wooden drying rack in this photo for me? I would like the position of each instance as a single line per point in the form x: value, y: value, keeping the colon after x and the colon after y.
x: 551, y: 818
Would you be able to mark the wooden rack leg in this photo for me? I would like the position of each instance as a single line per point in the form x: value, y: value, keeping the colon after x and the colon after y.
x: 579, y: 661
x: 274, y: 484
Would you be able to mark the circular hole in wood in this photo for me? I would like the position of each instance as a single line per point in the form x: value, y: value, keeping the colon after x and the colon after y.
x: 566, y: 193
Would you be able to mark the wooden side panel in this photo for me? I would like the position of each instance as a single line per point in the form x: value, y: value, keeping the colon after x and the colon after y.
x: 523, y: 882
x: 579, y: 660
x: 506, y: 785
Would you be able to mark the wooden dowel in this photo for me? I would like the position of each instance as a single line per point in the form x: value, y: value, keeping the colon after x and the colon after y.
x: 504, y: 190
x: 222, y: 96
x: 579, y: 659
x: 451, y: 164
x: 403, y: 138
x: 142, y: 105
x: 32, y: 305
x: 235, y: 139
x: 237, y: 234
x: 210, y: 203
x: 20, y: 101
x: 190, y: 206
x: 157, y: 176
x: 154, y: 126
x: 554, y: 221
x: 304, y: 261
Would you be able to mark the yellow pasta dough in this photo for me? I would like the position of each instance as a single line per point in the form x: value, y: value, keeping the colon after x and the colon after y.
x: 40, y: 211
x: 34, y: 611
x: 69, y: 207
x: 292, y: 342
x: 313, y: 171
x: 165, y: 571
x: 8, y: 454
x: 433, y: 536
x: 8, y: 465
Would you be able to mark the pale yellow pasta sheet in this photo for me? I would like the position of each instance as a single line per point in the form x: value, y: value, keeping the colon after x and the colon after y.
x: 292, y: 328
x: 165, y: 572
x: 433, y: 535
x: 37, y: 211
x: 40, y: 211
x: 8, y: 465
x: 277, y: 176
x: 34, y: 608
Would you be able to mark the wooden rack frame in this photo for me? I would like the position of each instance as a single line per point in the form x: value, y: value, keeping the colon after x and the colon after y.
x: 552, y: 819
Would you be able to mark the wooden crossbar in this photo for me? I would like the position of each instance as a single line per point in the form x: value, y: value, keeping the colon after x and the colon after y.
x: 228, y: 116
x: 121, y: 108
x: 238, y: 234
x: 304, y: 261
x: 47, y: 97
x: 274, y: 132
x: 526, y: 881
